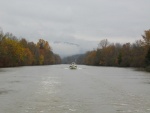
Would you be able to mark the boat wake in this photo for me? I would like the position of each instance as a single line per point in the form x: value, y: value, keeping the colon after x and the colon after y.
x: 77, y: 68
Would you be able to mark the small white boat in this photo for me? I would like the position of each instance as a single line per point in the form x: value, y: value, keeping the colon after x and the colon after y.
x: 73, y: 66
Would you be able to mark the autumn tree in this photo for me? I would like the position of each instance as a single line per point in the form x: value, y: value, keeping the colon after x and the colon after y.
x: 46, y: 52
x: 12, y: 52
x: 110, y: 55
x: 103, y: 43
x: 98, y: 57
x: 90, y: 57
x: 42, y: 44
x: 138, y: 53
x: 57, y: 59
x: 119, y: 58
x: 24, y: 42
x: 126, y: 55
x: 15, y: 52
x: 146, y: 38
x: 101, y: 52
x: 147, y: 58
x: 146, y: 42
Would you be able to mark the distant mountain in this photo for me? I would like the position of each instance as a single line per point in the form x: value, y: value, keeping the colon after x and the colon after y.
x: 79, y: 59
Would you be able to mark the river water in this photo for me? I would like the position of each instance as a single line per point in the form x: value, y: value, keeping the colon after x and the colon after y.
x: 57, y: 89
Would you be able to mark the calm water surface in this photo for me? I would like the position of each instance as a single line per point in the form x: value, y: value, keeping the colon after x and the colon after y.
x: 57, y: 89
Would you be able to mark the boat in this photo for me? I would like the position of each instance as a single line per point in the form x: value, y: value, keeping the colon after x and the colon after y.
x: 73, y: 66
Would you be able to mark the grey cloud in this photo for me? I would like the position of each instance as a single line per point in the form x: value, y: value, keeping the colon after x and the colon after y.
x: 76, y: 21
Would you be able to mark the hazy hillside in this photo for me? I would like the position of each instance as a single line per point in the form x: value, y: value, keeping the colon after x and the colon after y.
x: 79, y: 59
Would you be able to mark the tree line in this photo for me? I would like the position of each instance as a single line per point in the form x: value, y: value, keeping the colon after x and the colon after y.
x: 20, y: 52
x: 136, y: 54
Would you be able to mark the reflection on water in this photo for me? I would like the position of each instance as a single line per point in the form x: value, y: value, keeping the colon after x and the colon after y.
x: 57, y: 89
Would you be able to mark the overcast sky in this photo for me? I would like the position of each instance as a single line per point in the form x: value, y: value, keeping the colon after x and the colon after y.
x: 82, y: 22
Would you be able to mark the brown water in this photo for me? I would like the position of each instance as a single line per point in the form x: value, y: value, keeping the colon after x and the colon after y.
x: 57, y: 89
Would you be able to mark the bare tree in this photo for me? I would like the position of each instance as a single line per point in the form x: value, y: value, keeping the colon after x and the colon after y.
x: 146, y: 38
x: 103, y: 43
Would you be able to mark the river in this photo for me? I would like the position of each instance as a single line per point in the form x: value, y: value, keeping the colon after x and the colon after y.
x: 89, y: 89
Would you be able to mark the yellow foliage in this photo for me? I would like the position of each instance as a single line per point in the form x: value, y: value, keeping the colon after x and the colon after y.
x: 13, y: 51
x: 41, y: 59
